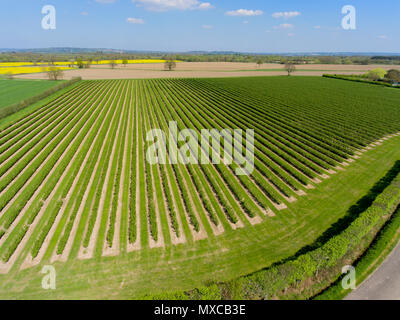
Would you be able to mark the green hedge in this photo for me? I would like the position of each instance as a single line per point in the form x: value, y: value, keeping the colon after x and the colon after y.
x: 357, y: 79
x: 6, y: 111
x: 382, y: 246
x: 312, y: 272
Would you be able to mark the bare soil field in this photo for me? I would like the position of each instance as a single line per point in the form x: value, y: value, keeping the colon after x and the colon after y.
x: 205, y: 70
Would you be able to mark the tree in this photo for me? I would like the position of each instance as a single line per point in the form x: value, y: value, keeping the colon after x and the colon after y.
x: 124, y: 62
x: 290, y: 68
x: 170, y: 64
x: 54, y: 73
x: 328, y: 60
x: 87, y: 65
x: 347, y: 60
x: 113, y: 64
x: 373, y: 75
x: 376, y: 74
x: 393, y: 75
x: 260, y: 62
x: 9, y: 76
x: 80, y: 63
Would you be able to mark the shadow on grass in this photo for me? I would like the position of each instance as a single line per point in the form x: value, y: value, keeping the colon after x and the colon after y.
x: 354, y: 211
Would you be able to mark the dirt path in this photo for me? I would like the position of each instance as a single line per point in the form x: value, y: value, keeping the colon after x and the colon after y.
x: 87, y: 253
x: 115, y: 249
x: 160, y: 237
x: 137, y: 244
x: 174, y: 238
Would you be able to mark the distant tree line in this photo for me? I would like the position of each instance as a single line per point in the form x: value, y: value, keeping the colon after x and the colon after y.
x: 257, y: 59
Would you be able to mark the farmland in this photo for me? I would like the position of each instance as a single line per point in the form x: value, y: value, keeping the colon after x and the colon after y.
x: 67, y: 63
x: 206, y: 70
x: 76, y: 190
x: 17, y: 90
x: 22, y: 68
x: 27, y: 70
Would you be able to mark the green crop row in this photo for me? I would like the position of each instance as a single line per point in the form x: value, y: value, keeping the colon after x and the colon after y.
x: 277, y: 133
x: 235, y: 188
x: 38, y: 203
x: 85, y: 178
x: 23, y: 104
x: 95, y: 195
x: 241, y: 125
x: 13, y: 131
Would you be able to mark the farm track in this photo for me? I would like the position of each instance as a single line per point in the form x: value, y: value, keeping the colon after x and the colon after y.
x: 75, y: 182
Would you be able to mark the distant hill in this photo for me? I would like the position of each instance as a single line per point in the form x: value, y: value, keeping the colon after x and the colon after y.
x: 67, y: 50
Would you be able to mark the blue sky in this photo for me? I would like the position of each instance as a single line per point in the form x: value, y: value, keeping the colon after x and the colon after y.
x: 185, y: 25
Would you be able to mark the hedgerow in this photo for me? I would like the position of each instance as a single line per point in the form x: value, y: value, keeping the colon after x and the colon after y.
x: 6, y: 111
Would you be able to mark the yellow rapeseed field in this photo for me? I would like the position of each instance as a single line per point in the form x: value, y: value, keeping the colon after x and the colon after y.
x: 94, y: 62
x: 30, y: 67
x: 130, y: 61
x: 25, y: 70
x: 15, y: 64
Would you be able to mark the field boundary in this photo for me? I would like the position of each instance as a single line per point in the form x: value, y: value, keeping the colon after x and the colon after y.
x: 7, y: 111
x: 354, y: 79
x: 70, y: 181
x: 370, y: 261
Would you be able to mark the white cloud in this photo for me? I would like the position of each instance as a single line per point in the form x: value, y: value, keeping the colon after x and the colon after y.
x: 84, y: 13
x: 286, y: 15
x: 245, y: 22
x: 284, y: 26
x: 244, y: 13
x: 207, y: 27
x: 135, y: 20
x: 291, y: 34
x: 205, y: 6
x: 317, y: 27
x: 106, y: 1
x: 383, y: 37
x: 165, y: 5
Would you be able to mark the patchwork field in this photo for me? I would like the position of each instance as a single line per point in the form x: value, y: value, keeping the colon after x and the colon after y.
x: 207, y: 70
x: 76, y: 190
x: 17, y: 90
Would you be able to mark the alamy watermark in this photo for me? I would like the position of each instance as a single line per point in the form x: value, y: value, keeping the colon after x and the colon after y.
x: 349, y: 280
x: 349, y: 21
x: 49, y: 20
x: 49, y: 280
x: 189, y: 147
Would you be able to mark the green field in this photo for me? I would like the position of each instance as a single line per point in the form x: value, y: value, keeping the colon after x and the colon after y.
x: 14, y: 91
x: 77, y: 192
